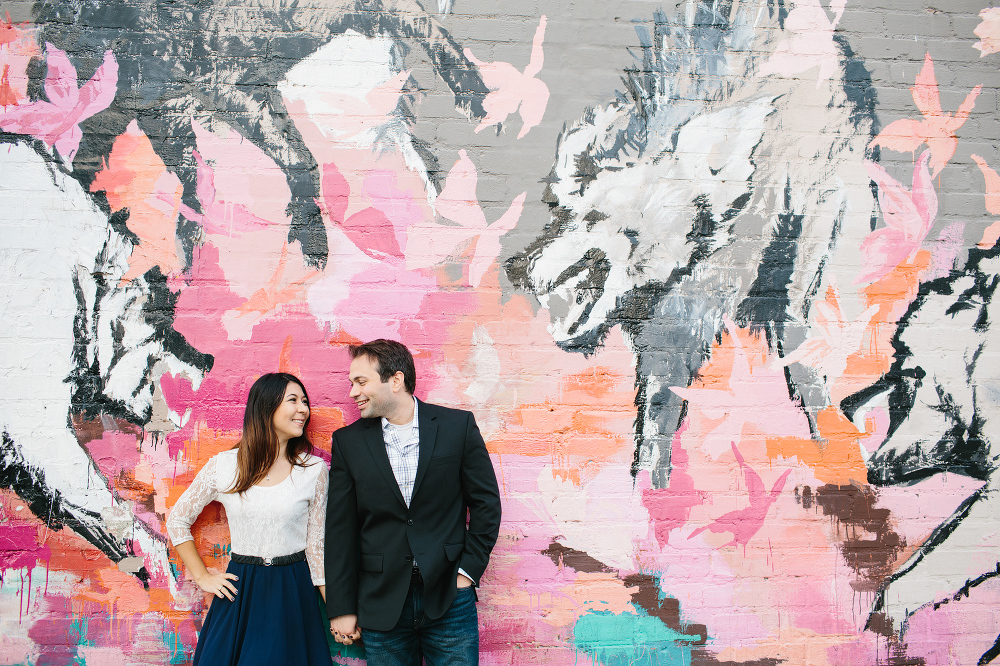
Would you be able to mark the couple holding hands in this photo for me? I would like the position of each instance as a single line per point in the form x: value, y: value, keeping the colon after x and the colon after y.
x: 396, y: 536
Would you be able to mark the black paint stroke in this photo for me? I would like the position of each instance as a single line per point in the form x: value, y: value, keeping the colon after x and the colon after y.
x: 156, y: 306
x: 963, y: 449
x: 222, y: 60
x: 48, y: 505
x: 678, y: 70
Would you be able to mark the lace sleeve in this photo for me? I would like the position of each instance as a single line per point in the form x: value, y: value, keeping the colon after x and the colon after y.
x: 316, y: 529
x: 203, y: 490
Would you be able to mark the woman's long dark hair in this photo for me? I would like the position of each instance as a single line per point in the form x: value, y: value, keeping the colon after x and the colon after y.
x: 258, y: 447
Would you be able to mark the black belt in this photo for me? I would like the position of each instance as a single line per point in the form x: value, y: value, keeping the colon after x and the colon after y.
x: 279, y: 561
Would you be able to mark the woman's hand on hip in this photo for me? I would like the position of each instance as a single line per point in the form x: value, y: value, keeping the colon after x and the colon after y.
x: 218, y: 584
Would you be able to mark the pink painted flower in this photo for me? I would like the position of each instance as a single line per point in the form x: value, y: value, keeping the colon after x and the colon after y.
x: 811, y: 42
x: 512, y: 89
x: 431, y: 243
x: 369, y: 229
x: 988, y: 32
x: 837, y: 339
x: 908, y: 214
x: 936, y: 129
x: 57, y: 121
x: 754, y: 395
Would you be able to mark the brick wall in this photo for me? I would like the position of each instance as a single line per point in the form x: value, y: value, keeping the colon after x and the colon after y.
x: 716, y: 281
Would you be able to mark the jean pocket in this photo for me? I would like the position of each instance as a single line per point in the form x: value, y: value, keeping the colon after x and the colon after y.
x: 464, y: 592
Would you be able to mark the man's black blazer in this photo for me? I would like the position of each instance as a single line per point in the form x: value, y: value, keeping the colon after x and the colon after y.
x: 372, y: 538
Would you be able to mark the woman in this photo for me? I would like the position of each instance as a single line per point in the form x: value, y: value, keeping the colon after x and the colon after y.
x: 274, y: 493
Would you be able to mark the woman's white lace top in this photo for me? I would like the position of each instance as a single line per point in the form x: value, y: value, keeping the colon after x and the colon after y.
x: 266, y: 522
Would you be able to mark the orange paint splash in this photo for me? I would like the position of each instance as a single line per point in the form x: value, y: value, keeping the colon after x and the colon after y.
x: 135, y: 177
x: 279, y: 288
x: 18, y: 45
x: 990, y: 236
x: 206, y: 443
x: 7, y: 95
x: 573, y: 428
x: 835, y: 458
x: 323, y: 421
x: 285, y: 362
x: 893, y: 293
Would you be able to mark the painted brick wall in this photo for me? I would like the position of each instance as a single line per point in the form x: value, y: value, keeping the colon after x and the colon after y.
x: 716, y: 280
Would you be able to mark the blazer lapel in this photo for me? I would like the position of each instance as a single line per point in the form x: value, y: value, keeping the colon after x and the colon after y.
x: 376, y: 446
x: 428, y: 436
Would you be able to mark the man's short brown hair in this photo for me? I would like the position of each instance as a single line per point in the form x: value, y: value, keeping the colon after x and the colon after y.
x: 390, y: 357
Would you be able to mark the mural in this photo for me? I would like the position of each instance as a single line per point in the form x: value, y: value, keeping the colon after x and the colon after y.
x: 730, y: 350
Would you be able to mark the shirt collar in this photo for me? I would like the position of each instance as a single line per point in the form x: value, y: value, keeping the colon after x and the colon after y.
x: 386, y: 425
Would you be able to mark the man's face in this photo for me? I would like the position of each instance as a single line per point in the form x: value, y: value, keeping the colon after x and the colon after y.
x: 373, y: 397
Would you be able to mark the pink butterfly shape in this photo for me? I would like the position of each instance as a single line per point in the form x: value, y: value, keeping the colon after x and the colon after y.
x: 57, y: 121
x: 937, y: 129
x: 908, y: 214
x: 512, y: 89
x: 744, y: 523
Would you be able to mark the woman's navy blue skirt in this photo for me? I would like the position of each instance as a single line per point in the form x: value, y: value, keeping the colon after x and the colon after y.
x: 274, y: 620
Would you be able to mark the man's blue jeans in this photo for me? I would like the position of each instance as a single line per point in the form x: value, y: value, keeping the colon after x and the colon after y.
x: 450, y: 640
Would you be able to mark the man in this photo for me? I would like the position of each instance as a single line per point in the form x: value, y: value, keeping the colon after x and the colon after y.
x: 401, y: 563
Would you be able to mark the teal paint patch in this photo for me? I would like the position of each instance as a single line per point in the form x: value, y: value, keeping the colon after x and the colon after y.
x: 77, y: 631
x: 175, y: 571
x: 178, y: 654
x: 631, y: 640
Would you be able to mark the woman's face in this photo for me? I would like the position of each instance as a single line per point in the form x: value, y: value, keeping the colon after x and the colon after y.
x: 291, y: 415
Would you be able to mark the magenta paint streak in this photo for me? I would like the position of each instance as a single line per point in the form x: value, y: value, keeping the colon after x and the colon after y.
x: 373, y: 233
x: 20, y: 550
x: 51, y: 632
x: 336, y: 192
x: 19, y: 547
x: 218, y: 401
x: 669, y: 508
x: 369, y: 229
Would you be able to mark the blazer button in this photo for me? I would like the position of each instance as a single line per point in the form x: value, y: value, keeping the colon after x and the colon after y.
x: 408, y: 558
x: 409, y: 522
